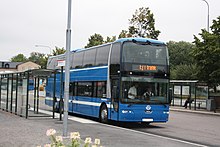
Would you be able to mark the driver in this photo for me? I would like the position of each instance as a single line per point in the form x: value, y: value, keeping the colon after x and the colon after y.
x: 132, y: 92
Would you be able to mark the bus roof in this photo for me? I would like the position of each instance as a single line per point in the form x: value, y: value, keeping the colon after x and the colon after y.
x: 119, y: 40
x: 140, y: 40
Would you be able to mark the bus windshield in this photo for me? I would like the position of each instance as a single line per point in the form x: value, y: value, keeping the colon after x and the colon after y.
x: 138, y: 52
x: 144, y: 90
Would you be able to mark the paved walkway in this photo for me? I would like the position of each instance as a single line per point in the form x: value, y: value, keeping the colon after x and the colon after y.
x: 20, y: 132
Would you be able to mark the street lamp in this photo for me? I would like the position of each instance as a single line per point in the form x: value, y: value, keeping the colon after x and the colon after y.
x: 67, y: 70
x: 44, y: 46
x: 208, y: 14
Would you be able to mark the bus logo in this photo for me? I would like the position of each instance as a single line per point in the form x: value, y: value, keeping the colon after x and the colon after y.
x: 148, y: 107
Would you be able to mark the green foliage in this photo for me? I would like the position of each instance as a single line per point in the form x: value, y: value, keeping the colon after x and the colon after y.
x: 58, y: 51
x: 110, y: 39
x: 95, y: 40
x: 142, y: 24
x: 38, y: 58
x: 184, y: 72
x: 207, y: 54
x: 19, y: 58
x: 182, y: 65
x: 180, y: 52
x: 124, y: 34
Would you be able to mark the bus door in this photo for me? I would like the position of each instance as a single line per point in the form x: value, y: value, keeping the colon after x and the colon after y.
x: 114, y: 99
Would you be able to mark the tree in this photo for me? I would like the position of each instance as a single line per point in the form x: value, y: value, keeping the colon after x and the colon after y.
x: 124, y: 34
x: 180, y: 52
x: 184, y: 72
x: 110, y: 39
x: 142, y: 24
x: 182, y: 65
x: 58, y: 51
x: 38, y: 58
x: 207, y: 54
x: 19, y: 58
x: 95, y: 40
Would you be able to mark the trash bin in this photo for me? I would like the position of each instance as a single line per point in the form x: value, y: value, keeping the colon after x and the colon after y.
x: 211, y: 105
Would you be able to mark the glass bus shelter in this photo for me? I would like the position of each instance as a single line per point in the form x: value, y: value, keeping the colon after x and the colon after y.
x: 197, y: 93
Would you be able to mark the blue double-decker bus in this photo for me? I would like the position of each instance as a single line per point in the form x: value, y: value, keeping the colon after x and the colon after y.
x: 126, y: 80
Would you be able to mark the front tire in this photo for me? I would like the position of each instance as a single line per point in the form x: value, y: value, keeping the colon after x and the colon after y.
x: 103, y: 117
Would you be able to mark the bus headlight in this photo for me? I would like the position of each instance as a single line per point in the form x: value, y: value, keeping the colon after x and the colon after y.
x: 166, y: 112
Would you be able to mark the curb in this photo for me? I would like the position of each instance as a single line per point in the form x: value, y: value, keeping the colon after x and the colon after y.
x: 195, y: 111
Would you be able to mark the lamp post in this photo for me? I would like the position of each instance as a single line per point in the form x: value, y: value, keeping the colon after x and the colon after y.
x: 208, y: 14
x: 44, y: 46
x: 67, y: 69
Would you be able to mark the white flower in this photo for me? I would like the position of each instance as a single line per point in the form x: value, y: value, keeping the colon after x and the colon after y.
x: 88, y: 140
x: 50, y: 132
x: 59, y: 138
x: 97, y: 141
x: 47, y: 145
x: 75, y: 135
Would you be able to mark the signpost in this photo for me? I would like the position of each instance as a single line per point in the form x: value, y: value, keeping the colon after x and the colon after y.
x: 67, y: 69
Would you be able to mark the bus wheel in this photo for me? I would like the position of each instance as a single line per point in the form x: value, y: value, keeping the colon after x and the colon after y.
x: 103, y: 114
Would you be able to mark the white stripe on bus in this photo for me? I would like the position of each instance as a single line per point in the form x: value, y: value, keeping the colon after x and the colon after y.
x: 81, y: 102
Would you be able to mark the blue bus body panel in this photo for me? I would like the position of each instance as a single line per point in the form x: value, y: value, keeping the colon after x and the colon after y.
x: 89, y: 74
x: 143, y: 112
x: 87, y: 105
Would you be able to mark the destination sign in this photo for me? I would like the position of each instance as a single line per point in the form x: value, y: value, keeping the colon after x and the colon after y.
x: 147, y: 68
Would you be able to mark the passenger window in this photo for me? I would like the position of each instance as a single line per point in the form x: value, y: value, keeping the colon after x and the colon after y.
x: 78, y: 60
x: 85, y: 89
x: 102, y: 55
x: 101, y: 89
x: 89, y: 58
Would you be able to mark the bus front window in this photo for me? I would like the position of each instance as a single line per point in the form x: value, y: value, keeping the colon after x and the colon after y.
x: 147, y: 90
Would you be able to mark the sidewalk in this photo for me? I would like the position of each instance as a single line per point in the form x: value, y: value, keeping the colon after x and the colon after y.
x: 198, y: 111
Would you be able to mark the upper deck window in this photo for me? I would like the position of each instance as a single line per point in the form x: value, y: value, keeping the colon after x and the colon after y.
x: 89, y: 58
x: 102, y: 55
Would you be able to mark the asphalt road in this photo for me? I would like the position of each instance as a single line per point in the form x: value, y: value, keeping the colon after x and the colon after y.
x: 197, y: 128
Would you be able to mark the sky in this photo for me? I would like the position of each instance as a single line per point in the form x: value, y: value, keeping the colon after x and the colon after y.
x: 27, y: 23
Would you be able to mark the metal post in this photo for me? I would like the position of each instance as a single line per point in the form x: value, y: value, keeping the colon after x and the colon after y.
x: 7, y: 92
x: 35, y: 84
x: 27, y: 95
x: 11, y: 93
x: 61, y: 93
x: 38, y: 86
x: 181, y: 96
x: 195, y: 97
x: 0, y: 91
x: 54, y: 93
x: 67, y: 69
x: 190, y: 95
x: 16, y: 94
